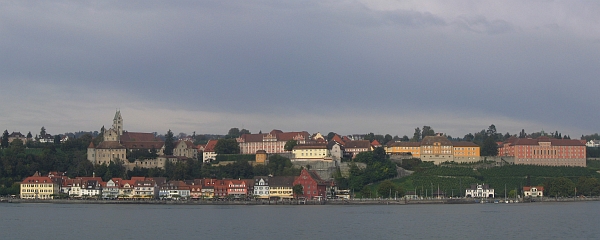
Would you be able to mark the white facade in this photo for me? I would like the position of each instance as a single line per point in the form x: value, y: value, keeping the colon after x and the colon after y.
x: 261, y: 187
x: 480, y: 191
x: 593, y: 143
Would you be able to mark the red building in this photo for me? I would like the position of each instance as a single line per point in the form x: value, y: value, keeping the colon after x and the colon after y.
x: 545, y: 151
x: 312, y: 185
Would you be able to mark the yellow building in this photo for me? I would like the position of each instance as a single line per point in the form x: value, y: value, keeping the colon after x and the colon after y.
x: 281, y: 187
x: 37, y: 187
x: 311, y: 151
x: 437, y: 149
x: 404, y: 148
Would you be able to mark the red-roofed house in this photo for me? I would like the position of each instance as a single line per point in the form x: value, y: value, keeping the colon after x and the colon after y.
x: 209, y: 153
x: 313, y: 186
x: 533, y: 191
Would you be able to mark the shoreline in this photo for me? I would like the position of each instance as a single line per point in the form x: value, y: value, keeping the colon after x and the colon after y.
x: 293, y: 202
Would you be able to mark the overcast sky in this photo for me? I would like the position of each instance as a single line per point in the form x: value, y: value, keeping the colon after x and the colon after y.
x: 317, y: 66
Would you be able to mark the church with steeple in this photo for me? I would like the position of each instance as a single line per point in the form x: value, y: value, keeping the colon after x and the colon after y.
x: 116, y: 143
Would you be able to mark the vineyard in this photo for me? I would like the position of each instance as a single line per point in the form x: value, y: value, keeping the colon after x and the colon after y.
x: 454, y: 180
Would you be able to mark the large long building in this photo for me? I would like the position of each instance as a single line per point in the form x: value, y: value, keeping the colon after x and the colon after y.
x: 272, y: 142
x: 437, y: 149
x: 545, y: 151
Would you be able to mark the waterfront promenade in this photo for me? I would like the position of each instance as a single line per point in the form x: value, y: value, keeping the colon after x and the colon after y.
x: 297, y: 202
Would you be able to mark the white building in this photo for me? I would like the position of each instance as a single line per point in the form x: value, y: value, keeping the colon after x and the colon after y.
x: 261, y: 187
x: 535, y: 191
x: 480, y: 191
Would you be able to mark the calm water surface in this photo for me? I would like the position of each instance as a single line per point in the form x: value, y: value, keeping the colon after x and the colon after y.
x: 575, y: 220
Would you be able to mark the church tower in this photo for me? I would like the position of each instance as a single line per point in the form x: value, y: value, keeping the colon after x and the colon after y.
x: 118, y: 123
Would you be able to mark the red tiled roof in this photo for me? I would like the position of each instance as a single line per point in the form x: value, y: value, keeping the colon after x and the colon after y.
x: 404, y: 144
x: 464, y: 144
x: 110, y: 145
x: 139, y: 137
x: 145, y: 144
x: 553, y: 141
x: 358, y: 144
x: 210, y: 146
x: 37, y: 179
x: 337, y: 139
x: 311, y: 146
x: 278, y: 134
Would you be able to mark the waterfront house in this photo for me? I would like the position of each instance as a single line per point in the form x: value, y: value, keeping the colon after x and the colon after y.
x: 281, y: 187
x: 533, y: 191
x: 261, y: 187
x: 38, y: 187
x: 313, y: 186
x: 480, y: 191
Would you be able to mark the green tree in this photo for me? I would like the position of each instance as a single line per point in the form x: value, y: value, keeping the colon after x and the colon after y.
x: 290, y: 144
x: 386, y: 189
x: 57, y: 139
x: 560, y: 187
x: 227, y: 146
x: 233, y: 133
x: 490, y: 147
x: 387, y: 138
x: 416, y: 136
x: 29, y: 136
x: 43, y: 132
x: 244, y: 131
x: 4, y: 143
x: 588, y: 186
x: 169, y: 143
x: 427, y: 131
x: 298, y: 190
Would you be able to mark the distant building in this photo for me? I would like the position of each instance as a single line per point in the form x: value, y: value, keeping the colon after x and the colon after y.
x: 437, y: 149
x: 272, y: 142
x: 593, y: 143
x: 117, y: 143
x: 480, y: 191
x: 545, y: 151
x: 533, y: 191
x: 313, y: 186
x: 38, y: 187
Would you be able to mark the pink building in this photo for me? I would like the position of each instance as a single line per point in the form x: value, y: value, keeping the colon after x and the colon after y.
x: 545, y: 151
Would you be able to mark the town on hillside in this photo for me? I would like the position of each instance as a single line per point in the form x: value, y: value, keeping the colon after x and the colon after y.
x: 117, y: 164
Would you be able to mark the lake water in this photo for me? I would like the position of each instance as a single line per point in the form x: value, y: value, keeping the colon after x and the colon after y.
x: 574, y: 220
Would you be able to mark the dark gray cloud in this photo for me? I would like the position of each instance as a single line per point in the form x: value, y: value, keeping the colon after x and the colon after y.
x: 341, y: 66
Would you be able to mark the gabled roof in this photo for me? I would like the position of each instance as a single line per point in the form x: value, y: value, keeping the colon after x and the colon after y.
x: 281, y: 181
x: 358, y: 144
x: 277, y: 134
x: 110, y: 145
x: 210, y: 145
x: 337, y: 139
x: 430, y: 140
x: 464, y: 144
x: 188, y: 144
x: 403, y: 144
x: 528, y: 188
x: 139, y: 137
x: 311, y: 146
